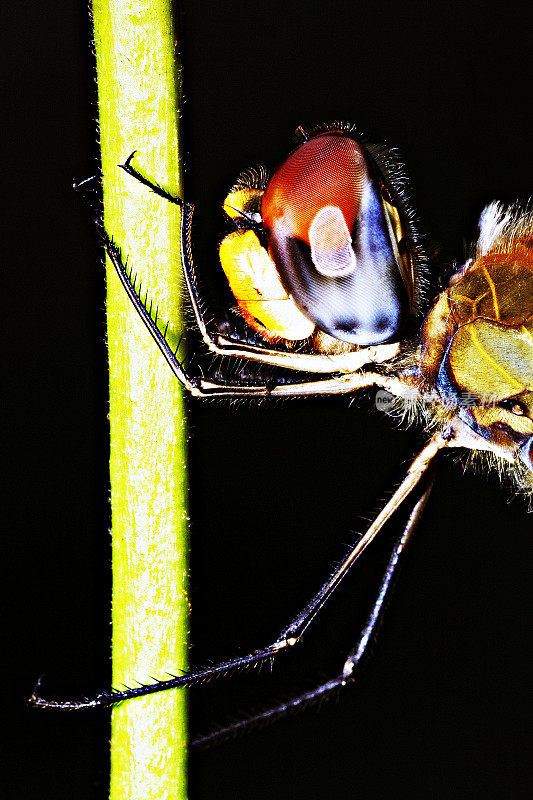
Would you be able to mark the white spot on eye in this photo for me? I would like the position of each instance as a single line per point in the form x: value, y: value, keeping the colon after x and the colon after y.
x: 331, y: 243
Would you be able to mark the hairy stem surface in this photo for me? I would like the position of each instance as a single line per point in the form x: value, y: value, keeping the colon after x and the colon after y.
x: 138, y: 98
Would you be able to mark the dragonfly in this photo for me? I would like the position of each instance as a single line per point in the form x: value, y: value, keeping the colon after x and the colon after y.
x: 329, y: 291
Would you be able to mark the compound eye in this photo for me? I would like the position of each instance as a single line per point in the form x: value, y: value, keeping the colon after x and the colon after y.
x: 330, y: 170
x: 332, y: 241
x: 514, y: 407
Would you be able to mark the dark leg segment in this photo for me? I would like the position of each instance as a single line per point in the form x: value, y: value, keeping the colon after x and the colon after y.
x: 186, y: 251
x: 348, y: 674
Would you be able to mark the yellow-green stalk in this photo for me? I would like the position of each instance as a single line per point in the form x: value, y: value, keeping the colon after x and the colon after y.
x: 138, y: 99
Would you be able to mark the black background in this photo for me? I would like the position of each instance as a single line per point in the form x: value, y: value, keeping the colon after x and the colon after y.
x: 443, y: 708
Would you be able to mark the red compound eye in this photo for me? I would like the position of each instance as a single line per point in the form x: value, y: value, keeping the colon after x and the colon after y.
x: 327, y: 171
x: 329, y: 237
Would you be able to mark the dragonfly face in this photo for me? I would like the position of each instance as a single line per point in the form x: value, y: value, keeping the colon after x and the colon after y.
x: 326, y: 258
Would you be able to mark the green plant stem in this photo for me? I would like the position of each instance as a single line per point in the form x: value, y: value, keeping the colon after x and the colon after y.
x: 138, y: 98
